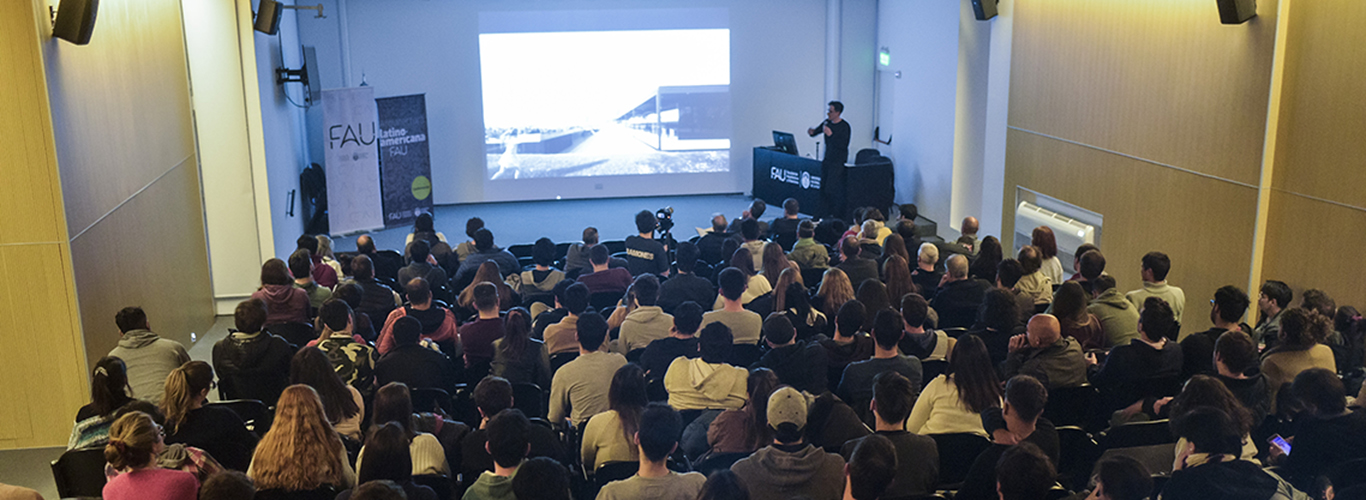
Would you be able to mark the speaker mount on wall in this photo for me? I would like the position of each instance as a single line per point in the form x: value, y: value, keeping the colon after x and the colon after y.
x: 984, y: 9
x: 307, y: 75
x: 268, y: 15
x: 1236, y: 11
x: 74, y: 20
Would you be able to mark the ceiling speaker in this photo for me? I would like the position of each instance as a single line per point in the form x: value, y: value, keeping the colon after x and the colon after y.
x: 75, y: 20
x: 984, y: 9
x: 268, y: 17
x: 1237, y: 11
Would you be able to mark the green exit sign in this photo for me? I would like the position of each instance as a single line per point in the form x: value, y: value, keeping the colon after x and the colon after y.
x: 884, y: 58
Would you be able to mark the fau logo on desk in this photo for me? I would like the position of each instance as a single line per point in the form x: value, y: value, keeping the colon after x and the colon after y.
x: 803, y: 179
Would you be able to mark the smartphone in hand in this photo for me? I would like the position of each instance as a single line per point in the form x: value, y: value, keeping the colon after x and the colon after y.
x: 1280, y: 442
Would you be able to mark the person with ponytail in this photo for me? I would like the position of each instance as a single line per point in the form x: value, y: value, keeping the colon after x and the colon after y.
x: 109, y: 397
x: 301, y: 452
x: 134, y: 443
x: 218, y: 431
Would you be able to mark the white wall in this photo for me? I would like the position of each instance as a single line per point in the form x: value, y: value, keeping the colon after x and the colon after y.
x: 974, y: 50
x: 923, y: 40
x: 431, y: 46
x: 282, y: 126
x: 858, y: 68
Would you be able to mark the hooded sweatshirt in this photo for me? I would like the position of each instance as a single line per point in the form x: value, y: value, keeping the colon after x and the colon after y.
x: 252, y: 366
x: 799, y: 365
x: 694, y: 384
x: 774, y: 474
x: 491, y: 486
x: 644, y: 325
x: 284, y: 303
x: 1118, y: 318
x: 150, y: 359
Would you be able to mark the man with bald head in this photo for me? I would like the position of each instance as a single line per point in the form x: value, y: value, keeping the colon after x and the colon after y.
x: 1043, y: 353
x: 710, y: 244
x: 383, y: 265
x: 958, y: 296
x: 969, y: 228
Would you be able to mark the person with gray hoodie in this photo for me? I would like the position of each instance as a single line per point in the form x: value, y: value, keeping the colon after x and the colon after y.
x: 645, y: 322
x: 149, y: 357
x: 1118, y: 318
x: 790, y: 467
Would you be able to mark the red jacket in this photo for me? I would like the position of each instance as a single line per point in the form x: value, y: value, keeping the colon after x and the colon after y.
x: 444, y: 332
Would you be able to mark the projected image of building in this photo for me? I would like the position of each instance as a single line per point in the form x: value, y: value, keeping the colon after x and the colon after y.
x: 689, y: 118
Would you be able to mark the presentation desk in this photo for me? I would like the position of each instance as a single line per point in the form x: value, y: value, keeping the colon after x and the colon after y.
x: 779, y: 176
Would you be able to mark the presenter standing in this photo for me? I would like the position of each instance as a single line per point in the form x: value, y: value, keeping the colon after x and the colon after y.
x: 836, y: 133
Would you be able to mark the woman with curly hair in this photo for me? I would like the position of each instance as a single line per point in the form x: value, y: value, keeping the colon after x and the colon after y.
x: 301, y: 452
x: 1300, y: 348
x: 834, y: 291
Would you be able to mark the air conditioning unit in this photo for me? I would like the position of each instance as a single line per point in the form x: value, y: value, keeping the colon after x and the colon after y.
x: 1070, y: 233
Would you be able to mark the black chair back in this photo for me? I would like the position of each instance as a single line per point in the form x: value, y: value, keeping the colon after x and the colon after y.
x: 560, y: 359
x: 1072, y: 406
x: 743, y: 355
x: 546, y: 298
x: 1078, y: 453
x: 955, y: 332
x: 615, y: 246
x: 432, y: 399
x: 713, y: 462
x: 79, y: 473
x: 530, y: 398
x: 813, y: 276
x: 387, y: 263
x: 255, y: 414
x: 1137, y: 434
x: 1348, y: 474
x: 326, y: 492
x: 603, y: 300
x: 439, y: 483
x: 299, y: 334
x: 614, y: 471
x: 931, y: 369
x: 957, y: 452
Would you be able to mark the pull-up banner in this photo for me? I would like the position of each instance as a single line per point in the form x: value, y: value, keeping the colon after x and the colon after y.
x: 350, y: 136
x: 405, y: 167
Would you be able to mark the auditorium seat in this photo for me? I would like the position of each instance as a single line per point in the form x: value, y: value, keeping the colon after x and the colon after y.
x: 427, y: 399
x: 530, y: 398
x: 439, y: 483
x: 296, y: 333
x: 713, y: 462
x: 1077, y: 456
x: 1135, y: 434
x: 957, y: 452
x: 255, y: 414
x: 1074, y: 406
x: 80, y: 473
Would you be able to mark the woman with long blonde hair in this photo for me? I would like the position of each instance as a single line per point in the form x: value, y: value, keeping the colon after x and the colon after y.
x: 835, y: 290
x: 301, y: 452
x: 775, y: 262
x: 134, y: 442
x: 218, y: 431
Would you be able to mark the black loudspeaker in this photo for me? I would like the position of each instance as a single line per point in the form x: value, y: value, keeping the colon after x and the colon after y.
x: 268, y: 17
x: 76, y: 20
x: 1237, y: 11
x: 984, y: 9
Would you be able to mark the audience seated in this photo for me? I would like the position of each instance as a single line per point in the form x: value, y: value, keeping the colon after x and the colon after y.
x: 1024, y: 473
x: 1044, y: 240
x: 783, y: 229
x: 541, y: 278
x: 516, y: 356
x: 951, y: 402
x: 491, y: 396
x: 1118, y: 318
x: 871, y: 470
x: 744, y: 325
x: 251, y: 363
x: 393, y: 404
x: 756, y: 285
x: 656, y: 438
x: 301, y: 452
x: 1226, y: 309
x: 856, y: 386
x: 925, y: 274
x: 579, y: 389
x: 798, y: 364
x: 1034, y: 282
x: 412, y: 363
x: 849, y: 344
x: 896, y: 274
x: 745, y: 430
x: 560, y: 336
x: 608, y: 435
x: 377, y: 299
x: 997, y: 323
x: 390, y: 460
x: 710, y: 244
x: 958, y: 297
x: 723, y: 485
x: 789, y: 467
x: 353, y: 295
x: 354, y: 361
x: 109, y: 400
x: 926, y: 345
x: 1044, y: 354
x: 681, y: 342
x: 223, y: 485
x: 1069, y: 306
x: 148, y: 357
x: 643, y: 253
x: 752, y: 240
x: 465, y: 248
x: 541, y: 478
x: 1300, y: 348
x: 419, y: 251
x: 438, y: 323
x: 1146, y: 365
x: 324, y: 274
x: 576, y: 260
x: 342, y: 403
x: 806, y: 251
x: 707, y: 382
x: 1155, y: 267
x: 873, y: 295
x: 1274, y: 298
x: 1087, y: 266
x: 543, y: 315
x: 854, y: 264
x: 1235, y: 359
x: 485, y: 251
x: 1203, y: 391
x: 683, y: 285
x: 989, y: 256
x: 917, y: 457
x: 1008, y: 274
x: 645, y: 322
x: 301, y: 268
x: 508, y: 445
x: 134, y: 441
x: 792, y: 300
x: 1121, y: 477
x: 1209, y: 467
x: 477, y: 337
x: 1018, y: 421
x: 834, y: 291
x: 216, y: 430
x: 488, y: 273
x: 1329, y: 434
x: 602, y: 278
x: 383, y: 264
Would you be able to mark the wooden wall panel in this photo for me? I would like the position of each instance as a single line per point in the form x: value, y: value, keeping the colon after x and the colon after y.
x: 1312, y: 244
x: 150, y: 253
x: 1157, y: 79
x: 1203, y: 224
